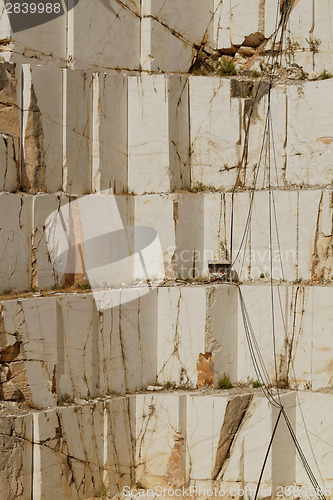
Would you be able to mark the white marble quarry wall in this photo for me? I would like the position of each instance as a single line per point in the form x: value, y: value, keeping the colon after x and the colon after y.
x: 94, y: 31
x: 81, y: 37
x: 313, y: 433
x: 66, y: 346
x: 157, y: 133
x: 186, y: 336
x: 215, y: 132
x: 158, y: 152
x: 193, y: 229
x: 110, y: 139
x: 166, y: 439
x: 46, y: 42
x: 41, y: 127
x: 197, y: 335
x: 302, y: 318
x: 15, y: 242
x: 300, y: 127
x: 183, y: 26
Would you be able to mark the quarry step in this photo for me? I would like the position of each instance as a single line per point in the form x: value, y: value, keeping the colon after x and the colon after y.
x: 154, y: 133
x: 161, y: 440
x: 190, y: 29
x: 188, y: 336
x: 193, y: 229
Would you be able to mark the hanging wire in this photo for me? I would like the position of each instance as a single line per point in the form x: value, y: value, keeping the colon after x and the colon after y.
x: 267, y: 145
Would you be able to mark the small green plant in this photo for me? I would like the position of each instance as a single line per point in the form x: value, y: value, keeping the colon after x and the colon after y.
x: 197, y: 188
x: 262, y: 275
x: 101, y: 492
x: 66, y: 399
x: 314, y: 44
x: 84, y: 286
x: 256, y: 74
x: 256, y: 384
x: 291, y: 48
x: 224, y: 382
x: 139, y: 486
x: 223, y: 251
x: 303, y: 75
x: 169, y: 385
x: 226, y: 67
x: 325, y: 75
x: 283, y: 383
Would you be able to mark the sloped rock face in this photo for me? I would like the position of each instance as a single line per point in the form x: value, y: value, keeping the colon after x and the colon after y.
x: 234, y: 415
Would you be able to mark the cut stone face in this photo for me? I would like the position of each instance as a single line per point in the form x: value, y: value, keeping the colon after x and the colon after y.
x: 9, y: 162
x: 158, y: 117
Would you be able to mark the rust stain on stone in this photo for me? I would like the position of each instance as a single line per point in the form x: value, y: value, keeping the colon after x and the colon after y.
x: 176, y: 470
x: 325, y: 140
x: 205, y: 369
x: 74, y: 275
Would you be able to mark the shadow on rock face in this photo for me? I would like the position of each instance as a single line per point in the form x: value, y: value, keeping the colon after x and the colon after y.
x: 32, y: 14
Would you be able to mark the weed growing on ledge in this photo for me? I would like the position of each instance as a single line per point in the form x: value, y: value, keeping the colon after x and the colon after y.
x: 224, y: 382
x: 169, y: 385
x: 139, y: 486
x: 66, y: 399
x: 256, y: 384
x: 325, y: 75
x: 102, y: 492
x: 226, y: 67
x: 314, y: 44
x: 303, y: 75
x: 291, y: 48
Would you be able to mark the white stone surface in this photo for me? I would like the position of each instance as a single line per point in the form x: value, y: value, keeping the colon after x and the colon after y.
x: 309, y: 146
x: 194, y: 321
x: 215, y: 132
x: 160, y: 433
x: 302, y: 319
x: 158, y: 211
x: 158, y: 117
x: 110, y: 121
x: 15, y: 242
x: 119, y: 443
x: 245, y: 19
x: 313, y: 432
x: 181, y: 334
x: 204, y: 421
x: 94, y: 32
x: 68, y: 451
x: 77, y: 131
x: 222, y: 25
x: 249, y: 448
x: 46, y: 42
x: 9, y: 162
x: 42, y: 128
x: 44, y: 275
x: 179, y: 25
